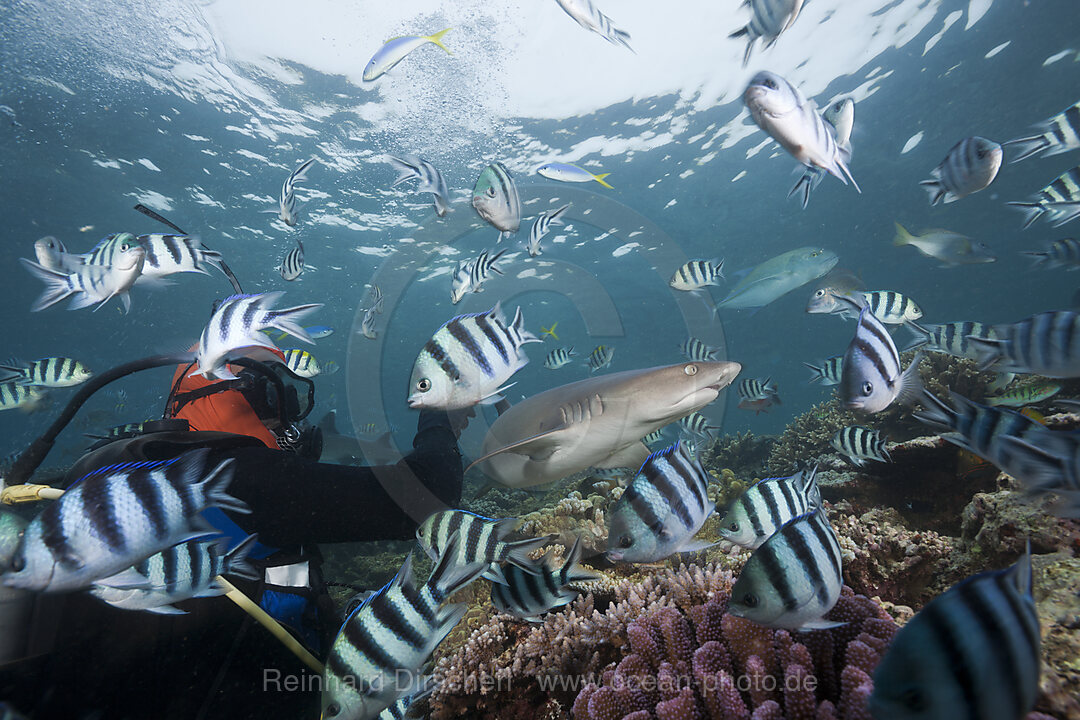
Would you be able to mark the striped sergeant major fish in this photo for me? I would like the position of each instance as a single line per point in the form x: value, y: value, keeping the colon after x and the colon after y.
x: 287, y: 211
x: 1061, y: 253
x: 698, y: 424
x: 376, y: 299
x: 292, y: 265
x: 871, y: 378
x: 397, y: 49
x: 468, y: 359
x: 1046, y: 344
x: 793, y: 580
x: 892, y: 308
x: 1060, y: 133
x: 757, y: 389
x: 860, y: 444
x: 410, y: 167
x: 53, y: 255
x: 238, y: 324
x: 367, y: 325
x: 165, y: 255
x: 841, y: 116
x: 829, y: 372
x: 302, y: 363
x: 765, y: 506
x: 694, y: 349
x: 768, y: 20
x: 393, y: 632
x: 697, y: 274
x: 950, y: 338
x: 470, y: 277
x: 14, y: 396
x: 116, y: 516
x: 780, y: 110
x: 90, y: 284
x: 56, y: 372
x: 588, y: 16
x: 481, y: 540
x: 542, y: 226
x: 405, y: 707
x: 664, y: 506
x: 970, y: 166
x: 559, y: 357
x: 600, y: 357
x: 1048, y: 461
x: 495, y: 198
x: 184, y: 571
x: 528, y: 594
x: 1059, y: 201
x: 654, y: 437
x: 972, y: 652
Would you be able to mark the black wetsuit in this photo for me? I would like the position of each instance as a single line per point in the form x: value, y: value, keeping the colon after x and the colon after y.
x: 215, y: 662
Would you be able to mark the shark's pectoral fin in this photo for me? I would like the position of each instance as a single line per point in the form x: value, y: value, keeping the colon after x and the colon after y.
x: 538, y: 447
x: 631, y: 456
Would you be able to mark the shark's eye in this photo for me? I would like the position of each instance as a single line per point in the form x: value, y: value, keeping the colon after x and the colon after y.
x: 423, y: 385
x: 690, y: 369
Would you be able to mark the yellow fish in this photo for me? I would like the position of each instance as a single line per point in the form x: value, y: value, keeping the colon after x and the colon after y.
x: 549, y: 331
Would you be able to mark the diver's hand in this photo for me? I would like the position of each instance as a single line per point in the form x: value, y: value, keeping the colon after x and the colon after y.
x: 459, y: 419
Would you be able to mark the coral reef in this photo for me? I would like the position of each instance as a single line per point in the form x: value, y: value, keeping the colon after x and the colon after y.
x: 745, y: 453
x: 569, y: 518
x: 1057, y: 578
x: 708, y: 664
x: 997, y: 526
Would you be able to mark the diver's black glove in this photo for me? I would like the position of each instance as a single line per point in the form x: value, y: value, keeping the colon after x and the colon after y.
x: 311, y: 443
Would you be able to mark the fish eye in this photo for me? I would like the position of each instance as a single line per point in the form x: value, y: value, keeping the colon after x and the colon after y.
x: 913, y: 700
x: 770, y: 83
x: 734, y: 527
x: 690, y: 369
x: 332, y: 710
x: 423, y: 385
x: 625, y: 541
x: 490, y: 192
x: 868, y: 388
x: 815, y: 253
x: 820, y: 292
x: 750, y: 600
x: 18, y: 564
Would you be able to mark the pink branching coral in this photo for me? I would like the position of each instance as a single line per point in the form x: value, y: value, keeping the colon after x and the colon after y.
x: 704, y: 664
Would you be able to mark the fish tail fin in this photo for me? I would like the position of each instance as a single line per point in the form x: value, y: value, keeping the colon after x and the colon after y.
x: 57, y: 285
x: 1068, y: 211
x: 922, y: 335
x: 936, y: 412
x: 819, y: 372
x: 600, y: 179
x: 448, y: 576
x: 842, y: 164
x: 935, y: 190
x: 903, y: 237
x: 287, y: 320
x: 1028, y: 146
x: 518, y: 551
x: 214, y: 487
x: 911, y: 385
x: 437, y: 39
x: 235, y: 561
x: 572, y: 572
x: 518, y: 327
x: 1041, y: 259
x: 1032, y: 211
x: 405, y: 170
x: 805, y: 183
x: 741, y: 32
x: 987, y: 350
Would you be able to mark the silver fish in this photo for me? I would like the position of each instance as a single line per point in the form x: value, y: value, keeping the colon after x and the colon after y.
x: 600, y: 358
x: 948, y: 247
x: 596, y: 422
x: 410, y: 167
x: 367, y: 325
x: 836, y: 282
x: 778, y: 276
x: 397, y: 49
x: 753, y: 389
x: 292, y: 265
x: 90, y: 284
x: 841, y: 116
x: 586, y: 14
x: 482, y: 540
x: 495, y: 198
x: 769, y: 19
x: 860, y: 444
x: 170, y: 254
x: 1060, y: 133
x: 971, y: 165
x: 765, y: 506
x: 541, y: 227
x: 891, y: 307
x: 871, y: 378
x: 662, y: 509
x: 696, y: 350
x: 971, y: 652
x: 529, y: 593
x: 1061, y: 253
x: 52, y: 255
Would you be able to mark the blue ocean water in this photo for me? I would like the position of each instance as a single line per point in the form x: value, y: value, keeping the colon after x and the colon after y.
x: 114, y: 104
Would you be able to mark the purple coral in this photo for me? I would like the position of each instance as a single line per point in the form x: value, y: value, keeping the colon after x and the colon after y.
x: 705, y: 664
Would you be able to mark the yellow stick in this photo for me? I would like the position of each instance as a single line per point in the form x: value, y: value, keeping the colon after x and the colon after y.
x: 28, y: 493
x: 248, y: 605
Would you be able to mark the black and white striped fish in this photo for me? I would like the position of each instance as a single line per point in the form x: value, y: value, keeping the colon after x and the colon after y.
x: 90, y: 284
x: 482, y: 539
x: 860, y: 444
x: 1045, y: 344
x: 14, y: 396
x: 753, y: 389
x: 950, y: 338
x: 698, y: 424
x: 829, y: 372
x: 286, y: 211
x: 654, y: 437
x: 171, y: 254
x: 376, y: 299
x: 528, y: 594
x: 292, y: 265
x: 53, y: 255
x: 841, y: 116
x: 393, y: 632
x: 468, y: 359
x: 367, y: 325
x: 694, y: 349
x: 1060, y: 133
x: 302, y: 363
x: 541, y: 227
x: 1059, y: 201
x: 559, y: 357
x: 662, y: 509
x: 586, y: 14
x: 971, y: 652
x: 971, y: 165
x: 470, y: 277
x: 765, y: 506
x: 236, y: 327
x: 57, y: 372
x: 1048, y: 461
x: 871, y: 379
x: 187, y: 570
x: 600, y: 357
x: 495, y: 198
x: 793, y: 580
x: 769, y: 19
x: 892, y: 308
x: 406, y: 707
x: 114, y: 517
x: 431, y: 180
x: 697, y: 274
x: 1061, y: 253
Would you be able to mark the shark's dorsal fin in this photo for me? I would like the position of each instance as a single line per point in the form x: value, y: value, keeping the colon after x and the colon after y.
x: 329, y: 422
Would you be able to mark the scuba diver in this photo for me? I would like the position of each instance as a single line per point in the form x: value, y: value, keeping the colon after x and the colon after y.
x: 86, y: 659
